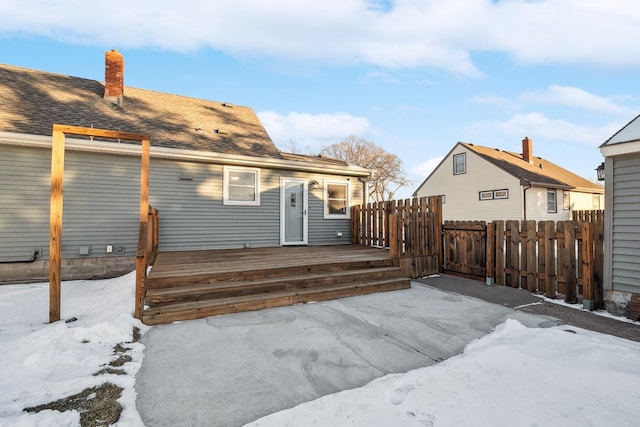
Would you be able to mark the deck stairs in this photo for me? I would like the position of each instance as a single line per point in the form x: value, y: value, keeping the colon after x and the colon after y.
x: 197, y: 284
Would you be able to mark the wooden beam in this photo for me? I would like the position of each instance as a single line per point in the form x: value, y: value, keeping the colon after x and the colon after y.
x: 141, y: 258
x: 55, y: 223
x: 101, y: 133
x: 56, y: 200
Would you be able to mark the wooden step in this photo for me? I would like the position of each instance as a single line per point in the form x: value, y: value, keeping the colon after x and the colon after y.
x: 205, y: 308
x: 210, y: 273
x: 290, y: 282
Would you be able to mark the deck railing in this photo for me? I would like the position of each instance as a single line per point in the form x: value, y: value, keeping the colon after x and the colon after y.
x: 145, y: 256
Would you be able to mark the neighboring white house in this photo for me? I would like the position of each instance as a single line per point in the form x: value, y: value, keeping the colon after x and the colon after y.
x: 622, y: 220
x: 482, y: 183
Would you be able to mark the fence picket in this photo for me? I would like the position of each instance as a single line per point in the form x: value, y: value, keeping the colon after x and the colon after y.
x: 549, y: 259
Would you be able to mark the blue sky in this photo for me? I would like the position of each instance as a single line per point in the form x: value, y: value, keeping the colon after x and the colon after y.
x: 413, y: 76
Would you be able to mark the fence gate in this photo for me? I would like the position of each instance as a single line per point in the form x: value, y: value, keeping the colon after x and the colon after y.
x: 465, y: 247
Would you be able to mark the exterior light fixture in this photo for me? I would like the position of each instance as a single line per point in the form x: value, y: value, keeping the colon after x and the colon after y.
x: 600, y: 172
x: 313, y: 184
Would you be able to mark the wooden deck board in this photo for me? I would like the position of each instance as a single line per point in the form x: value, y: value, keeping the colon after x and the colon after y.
x: 168, y: 264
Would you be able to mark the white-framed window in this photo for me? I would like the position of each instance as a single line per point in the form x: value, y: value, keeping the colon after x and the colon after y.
x: 241, y: 186
x: 459, y: 163
x: 485, y: 195
x: 501, y: 194
x: 566, y: 200
x: 552, y: 202
x: 336, y: 199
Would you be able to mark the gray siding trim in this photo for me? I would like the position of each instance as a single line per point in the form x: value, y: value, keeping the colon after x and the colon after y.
x: 625, y: 224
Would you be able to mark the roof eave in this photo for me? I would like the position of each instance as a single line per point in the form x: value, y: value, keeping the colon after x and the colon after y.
x: 620, y: 148
x: 40, y: 141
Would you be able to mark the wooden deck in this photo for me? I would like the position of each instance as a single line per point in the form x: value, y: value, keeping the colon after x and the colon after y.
x: 195, y: 284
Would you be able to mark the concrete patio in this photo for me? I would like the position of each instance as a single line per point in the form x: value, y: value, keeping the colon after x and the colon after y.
x: 232, y: 369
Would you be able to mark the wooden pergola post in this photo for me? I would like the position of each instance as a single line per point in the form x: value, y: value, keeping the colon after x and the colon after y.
x: 56, y: 200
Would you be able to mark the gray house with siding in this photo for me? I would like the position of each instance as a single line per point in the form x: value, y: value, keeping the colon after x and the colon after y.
x: 216, y: 177
x: 622, y: 220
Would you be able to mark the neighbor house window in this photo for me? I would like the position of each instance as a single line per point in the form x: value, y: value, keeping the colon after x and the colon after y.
x: 552, y: 205
x: 336, y: 199
x: 459, y: 164
x: 486, y: 195
x: 501, y: 194
x: 493, y: 194
x: 241, y: 186
x: 596, y: 202
x: 566, y: 200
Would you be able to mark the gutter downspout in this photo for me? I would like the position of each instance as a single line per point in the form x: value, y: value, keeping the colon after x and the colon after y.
x: 524, y: 199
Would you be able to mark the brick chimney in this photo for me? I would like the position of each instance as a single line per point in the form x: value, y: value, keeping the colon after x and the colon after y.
x: 114, y: 77
x: 527, y: 150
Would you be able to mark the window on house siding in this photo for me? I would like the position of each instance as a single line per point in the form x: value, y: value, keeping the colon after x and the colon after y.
x: 501, y: 194
x: 459, y: 164
x: 241, y: 186
x: 336, y: 199
x: 596, y: 202
x: 566, y: 200
x: 552, y: 204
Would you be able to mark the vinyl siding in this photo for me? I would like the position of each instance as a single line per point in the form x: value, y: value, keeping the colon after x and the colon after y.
x: 537, y: 206
x: 324, y: 231
x: 101, y: 205
x: 625, y: 247
x: 584, y: 201
x: 24, y: 202
x: 462, y: 191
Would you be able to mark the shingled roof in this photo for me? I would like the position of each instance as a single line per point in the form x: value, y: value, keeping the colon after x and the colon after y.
x: 32, y: 101
x: 540, y: 172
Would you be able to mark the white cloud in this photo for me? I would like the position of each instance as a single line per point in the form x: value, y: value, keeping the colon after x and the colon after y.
x: 576, y: 98
x: 425, y: 168
x: 539, y: 125
x: 311, y: 131
x: 403, y: 34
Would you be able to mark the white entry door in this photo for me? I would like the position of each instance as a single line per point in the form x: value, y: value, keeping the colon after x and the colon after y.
x: 293, y: 211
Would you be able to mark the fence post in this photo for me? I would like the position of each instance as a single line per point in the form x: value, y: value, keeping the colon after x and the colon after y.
x: 490, y: 254
x: 549, y: 259
x: 500, y: 254
x: 513, y: 257
x: 569, y: 261
x: 587, y: 266
x: 532, y: 282
x: 394, y: 250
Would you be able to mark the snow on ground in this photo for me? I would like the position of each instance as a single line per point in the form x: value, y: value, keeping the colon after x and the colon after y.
x: 515, y: 376
x: 44, y: 362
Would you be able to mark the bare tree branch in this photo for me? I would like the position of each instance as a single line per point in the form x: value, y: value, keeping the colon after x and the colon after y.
x: 389, y: 175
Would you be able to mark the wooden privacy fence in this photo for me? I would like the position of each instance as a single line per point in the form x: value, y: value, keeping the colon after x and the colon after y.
x: 564, y: 257
x: 465, y: 247
x: 409, y: 228
x: 589, y: 216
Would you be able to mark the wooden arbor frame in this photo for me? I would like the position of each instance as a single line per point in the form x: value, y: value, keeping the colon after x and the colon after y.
x: 55, y: 212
